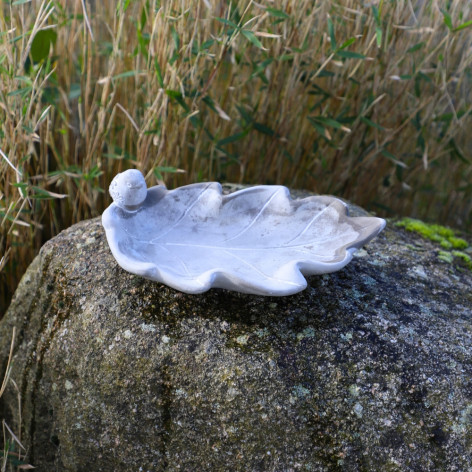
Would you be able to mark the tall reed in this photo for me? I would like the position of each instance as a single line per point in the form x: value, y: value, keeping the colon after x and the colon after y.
x: 367, y: 100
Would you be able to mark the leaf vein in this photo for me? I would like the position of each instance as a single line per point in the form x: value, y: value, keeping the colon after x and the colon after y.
x: 315, y: 217
x: 184, y: 214
x: 256, y: 217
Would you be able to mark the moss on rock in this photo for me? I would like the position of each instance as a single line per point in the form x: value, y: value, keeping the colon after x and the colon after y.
x: 442, y: 235
x: 465, y: 258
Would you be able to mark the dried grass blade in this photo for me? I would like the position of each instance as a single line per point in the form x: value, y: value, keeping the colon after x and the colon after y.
x: 8, y: 369
x: 13, y: 435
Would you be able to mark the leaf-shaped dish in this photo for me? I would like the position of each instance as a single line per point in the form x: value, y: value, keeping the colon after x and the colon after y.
x: 257, y: 240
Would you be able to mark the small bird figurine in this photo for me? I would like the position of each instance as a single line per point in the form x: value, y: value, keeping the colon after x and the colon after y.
x: 128, y: 189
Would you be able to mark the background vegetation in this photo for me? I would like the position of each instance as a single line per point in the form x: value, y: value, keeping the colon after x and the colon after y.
x: 366, y: 100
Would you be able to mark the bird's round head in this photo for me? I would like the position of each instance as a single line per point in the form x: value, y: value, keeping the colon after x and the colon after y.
x: 128, y: 189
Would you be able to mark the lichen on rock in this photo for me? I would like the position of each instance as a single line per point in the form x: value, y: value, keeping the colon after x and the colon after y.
x: 367, y: 369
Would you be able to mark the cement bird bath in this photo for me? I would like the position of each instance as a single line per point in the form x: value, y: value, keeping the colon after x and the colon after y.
x: 258, y: 240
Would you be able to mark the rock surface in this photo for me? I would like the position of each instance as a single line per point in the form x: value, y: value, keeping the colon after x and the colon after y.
x: 368, y: 369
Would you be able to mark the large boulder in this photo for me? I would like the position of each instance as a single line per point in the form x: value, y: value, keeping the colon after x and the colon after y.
x: 368, y: 369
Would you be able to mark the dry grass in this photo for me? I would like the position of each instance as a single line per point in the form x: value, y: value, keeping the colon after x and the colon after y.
x: 367, y: 102
x: 13, y: 452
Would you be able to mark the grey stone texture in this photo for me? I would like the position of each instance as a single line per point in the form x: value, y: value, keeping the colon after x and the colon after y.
x: 368, y: 369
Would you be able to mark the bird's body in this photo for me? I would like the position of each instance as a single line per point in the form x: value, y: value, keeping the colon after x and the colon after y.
x: 128, y: 189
